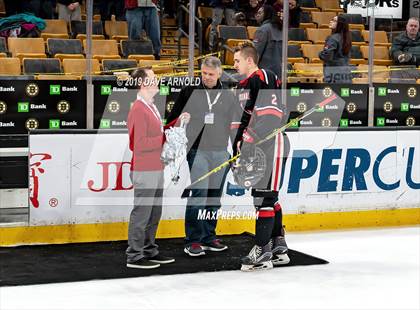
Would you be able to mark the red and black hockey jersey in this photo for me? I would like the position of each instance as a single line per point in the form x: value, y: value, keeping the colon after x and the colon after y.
x: 260, y: 99
x: 262, y: 112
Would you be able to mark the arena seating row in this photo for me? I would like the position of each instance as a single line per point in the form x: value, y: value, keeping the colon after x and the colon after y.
x: 313, y: 73
x: 74, y: 48
x: 305, y: 44
x: 359, y: 54
x: 77, y: 67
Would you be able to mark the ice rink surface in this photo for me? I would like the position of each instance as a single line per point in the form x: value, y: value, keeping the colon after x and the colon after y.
x: 369, y: 269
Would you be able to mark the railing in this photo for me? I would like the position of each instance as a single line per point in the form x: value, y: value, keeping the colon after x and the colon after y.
x: 182, y: 10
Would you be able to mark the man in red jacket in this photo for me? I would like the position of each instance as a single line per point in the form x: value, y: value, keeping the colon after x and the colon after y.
x: 143, y: 14
x: 146, y: 134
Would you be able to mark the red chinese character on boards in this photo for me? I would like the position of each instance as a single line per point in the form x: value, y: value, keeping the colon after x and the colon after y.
x: 35, y: 170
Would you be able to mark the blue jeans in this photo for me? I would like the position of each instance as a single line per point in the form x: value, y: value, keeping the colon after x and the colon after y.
x: 147, y: 18
x: 205, y: 195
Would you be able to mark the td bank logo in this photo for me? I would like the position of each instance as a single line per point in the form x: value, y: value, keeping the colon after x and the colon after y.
x: 54, y: 124
x: 344, y: 122
x: 380, y: 121
x: 106, y: 90
x: 23, y: 107
x: 295, y: 91
x: 105, y: 124
x: 405, y: 107
x: 164, y: 90
x: 55, y: 90
x: 294, y: 123
x: 345, y: 92
x: 382, y: 91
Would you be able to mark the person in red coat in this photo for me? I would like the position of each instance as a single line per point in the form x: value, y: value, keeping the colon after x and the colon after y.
x: 146, y: 135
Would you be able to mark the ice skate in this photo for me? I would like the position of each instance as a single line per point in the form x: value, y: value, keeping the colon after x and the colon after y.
x: 259, y: 258
x: 279, y: 250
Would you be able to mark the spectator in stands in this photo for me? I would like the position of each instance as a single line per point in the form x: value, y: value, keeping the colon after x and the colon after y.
x: 69, y: 10
x: 143, y: 14
x: 268, y: 39
x: 336, y: 52
x: 169, y: 8
x: 405, y: 48
x: 226, y: 8
x: 246, y: 16
x: 40, y: 8
x: 294, y: 12
x: 146, y: 137
x: 108, y: 7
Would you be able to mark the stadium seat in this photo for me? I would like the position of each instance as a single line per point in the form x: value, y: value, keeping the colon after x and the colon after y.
x: 305, y: 20
x: 116, y: 30
x: 137, y: 49
x: 251, y: 31
x: 230, y: 37
x: 381, y: 55
x: 58, y: 77
x: 79, y: 66
x: 297, y: 36
x: 65, y: 48
x: 78, y: 30
x: 393, y: 34
x: 10, y: 66
x: 318, y: 36
x: 41, y: 65
x: 205, y: 12
x: 329, y: 6
x: 294, y: 54
x: 356, y: 56
x: 159, y: 66
x: 232, y: 32
x: 404, y: 72
x: 311, y: 52
x: 381, y: 38
x: 355, y: 21
x: 55, y: 28
x: 119, y: 64
x: 380, y: 73
x: 3, y: 47
x: 27, y: 47
x: 103, y: 49
x: 307, y: 73
x: 322, y: 19
x: 308, y: 5
x: 366, y: 80
x: 2, y: 9
x: 357, y: 38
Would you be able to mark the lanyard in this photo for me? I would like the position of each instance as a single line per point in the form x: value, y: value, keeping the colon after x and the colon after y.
x: 211, y: 104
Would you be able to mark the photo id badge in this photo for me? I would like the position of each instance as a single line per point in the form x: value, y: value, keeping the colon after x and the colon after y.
x: 209, y: 118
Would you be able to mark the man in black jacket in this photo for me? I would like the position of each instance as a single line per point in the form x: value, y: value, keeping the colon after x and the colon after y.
x: 212, y: 111
x: 405, y: 48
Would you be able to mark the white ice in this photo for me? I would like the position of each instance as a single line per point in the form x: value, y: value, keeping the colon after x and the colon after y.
x: 369, y: 269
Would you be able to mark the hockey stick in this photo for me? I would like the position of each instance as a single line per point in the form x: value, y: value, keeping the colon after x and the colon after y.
x: 270, y: 136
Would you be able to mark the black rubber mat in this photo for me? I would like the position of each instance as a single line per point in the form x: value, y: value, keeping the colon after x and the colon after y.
x: 106, y: 260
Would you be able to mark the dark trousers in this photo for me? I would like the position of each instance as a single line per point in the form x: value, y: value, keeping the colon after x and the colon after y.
x: 205, y: 195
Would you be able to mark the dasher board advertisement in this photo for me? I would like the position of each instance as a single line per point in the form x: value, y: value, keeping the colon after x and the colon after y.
x: 391, y: 9
x: 84, y: 178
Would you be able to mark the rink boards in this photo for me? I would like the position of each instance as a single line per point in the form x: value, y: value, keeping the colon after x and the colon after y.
x: 80, y: 188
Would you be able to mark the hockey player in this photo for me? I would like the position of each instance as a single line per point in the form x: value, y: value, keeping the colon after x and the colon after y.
x: 259, y: 96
